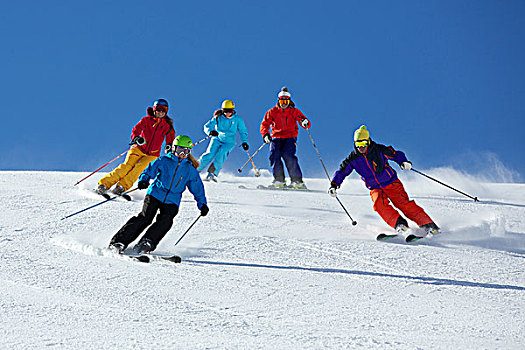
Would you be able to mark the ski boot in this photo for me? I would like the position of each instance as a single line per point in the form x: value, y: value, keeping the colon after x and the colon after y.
x: 211, y: 177
x: 401, y: 226
x: 277, y: 184
x: 298, y: 185
x: 118, y: 190
x: 430, y: 228
x: 117, y: 247
x: 101, y: 189
x: 143, y: 247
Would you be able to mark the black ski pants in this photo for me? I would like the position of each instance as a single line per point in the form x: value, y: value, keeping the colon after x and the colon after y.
x: 134, y: 227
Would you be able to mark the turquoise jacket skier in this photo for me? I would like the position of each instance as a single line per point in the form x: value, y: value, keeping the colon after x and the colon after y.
x: 223, y: 128
x: 172, y: 176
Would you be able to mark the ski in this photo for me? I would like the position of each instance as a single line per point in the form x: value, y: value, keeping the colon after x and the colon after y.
x: 386, y: 236
x: 173, y: 258
x: 270, y: 188
x: 133, y: 256
x: 413, y: 238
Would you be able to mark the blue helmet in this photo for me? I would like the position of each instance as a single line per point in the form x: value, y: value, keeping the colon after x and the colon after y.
x: 160, y: 102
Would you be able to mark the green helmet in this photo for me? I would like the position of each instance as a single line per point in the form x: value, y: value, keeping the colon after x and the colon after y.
x: 183, y: 141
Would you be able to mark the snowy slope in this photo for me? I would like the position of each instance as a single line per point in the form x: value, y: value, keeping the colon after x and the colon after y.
x: 264, y: 269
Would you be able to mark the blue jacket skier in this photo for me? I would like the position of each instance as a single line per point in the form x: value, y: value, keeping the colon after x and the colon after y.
x: 223, y: 128
x: 172, y: 174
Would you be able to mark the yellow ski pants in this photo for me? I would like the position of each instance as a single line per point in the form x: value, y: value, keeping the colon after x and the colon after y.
x: 128, y: 172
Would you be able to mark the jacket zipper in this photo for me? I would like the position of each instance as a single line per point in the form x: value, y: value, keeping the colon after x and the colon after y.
x: 171, y: 184
x: 153, y: 136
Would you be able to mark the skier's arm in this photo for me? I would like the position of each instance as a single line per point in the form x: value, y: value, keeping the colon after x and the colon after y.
x: 137, y: 129
x: 243, y: 131
x: 265, y: 124
x: 344, y: 170
x: 210, y: 125
x: 151, y: 170
x: 196, y: 188
x: 391, y: 154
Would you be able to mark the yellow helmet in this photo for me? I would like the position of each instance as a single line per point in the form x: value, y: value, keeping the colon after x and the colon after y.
x: 228, y: 104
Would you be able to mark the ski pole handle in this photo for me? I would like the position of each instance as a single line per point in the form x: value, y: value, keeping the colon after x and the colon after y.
x: 120, y: 155
x: 251, y: 157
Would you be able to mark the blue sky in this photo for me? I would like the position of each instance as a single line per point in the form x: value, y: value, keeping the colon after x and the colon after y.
x: 444, y: 81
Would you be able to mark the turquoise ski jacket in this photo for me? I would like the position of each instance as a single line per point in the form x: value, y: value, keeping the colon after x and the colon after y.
x: 227, y: 128
x: 172, y: 176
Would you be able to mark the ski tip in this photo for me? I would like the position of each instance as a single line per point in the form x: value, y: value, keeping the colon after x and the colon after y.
x: 142, y: 258
x: 412, y: 238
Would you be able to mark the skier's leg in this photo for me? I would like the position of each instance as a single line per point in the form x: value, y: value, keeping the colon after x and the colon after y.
x: 133, y: 174
x: 383, y: 208
x: 162, y: 224
x: 209, y: 154
x: 290, y: 159
x: 275, y: 160
x: 220, y: 158
x: 134, y: 227
x: 397, y: 194
x: 134, y: 154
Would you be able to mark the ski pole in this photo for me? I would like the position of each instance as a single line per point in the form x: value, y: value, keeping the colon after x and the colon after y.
x: 257, y: 174
x: 328, y: 176
x: 96, y: 205
x: 251, y: 157
x: 204, y: 139
x: 452, y: 188
x: 184, y: 234
x: 120, y: 155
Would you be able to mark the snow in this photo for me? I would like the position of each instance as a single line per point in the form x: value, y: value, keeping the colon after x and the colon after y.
x: 265, y: 269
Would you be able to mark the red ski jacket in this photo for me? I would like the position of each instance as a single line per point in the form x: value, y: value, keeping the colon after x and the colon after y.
x: 153, y: 130
x: 282, y: 121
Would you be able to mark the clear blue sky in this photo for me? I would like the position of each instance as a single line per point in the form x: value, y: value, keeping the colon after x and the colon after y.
x: 443, y: 81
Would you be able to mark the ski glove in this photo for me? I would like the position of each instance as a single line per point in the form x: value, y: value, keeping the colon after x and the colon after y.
x: 305, y: 123
x: 214, y: 133
x: 267, y: 138
x: 142, y: 185
x: 217, y: 113
x: 245, y: 146
x: 138, y: 140
x: 204, y: 210
x: 168, y: 149
x: 406, y: 165
x: 332, y: 191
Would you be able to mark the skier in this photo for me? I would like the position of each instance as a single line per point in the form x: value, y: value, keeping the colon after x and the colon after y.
x: 282, y: 119
x: 370, y: 160
x: 172, y: 174
x: 147, y: 137
x: 222, y: 128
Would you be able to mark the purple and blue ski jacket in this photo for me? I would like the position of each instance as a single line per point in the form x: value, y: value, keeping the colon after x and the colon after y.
x: 372, y: 166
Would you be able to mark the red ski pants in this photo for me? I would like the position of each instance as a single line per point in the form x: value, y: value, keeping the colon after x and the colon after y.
x: 395, y: 193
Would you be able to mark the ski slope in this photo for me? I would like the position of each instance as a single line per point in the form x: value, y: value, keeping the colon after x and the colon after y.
x: 265, y: 269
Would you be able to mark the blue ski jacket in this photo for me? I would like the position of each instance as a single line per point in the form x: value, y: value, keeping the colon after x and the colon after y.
x: 227, y: 128
x: 172, y: 176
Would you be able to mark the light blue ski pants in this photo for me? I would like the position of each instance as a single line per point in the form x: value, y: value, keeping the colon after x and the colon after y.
x: 217, y: 152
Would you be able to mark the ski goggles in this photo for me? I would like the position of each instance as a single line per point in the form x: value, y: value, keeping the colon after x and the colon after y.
x: 228, y: 110
x: 361, y: 143
x: 284, y: 101
x: 160, y: 108
x: 182, y: 151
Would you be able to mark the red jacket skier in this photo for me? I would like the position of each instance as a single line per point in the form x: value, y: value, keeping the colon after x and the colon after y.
x: 146, y: 140
x: 282, y: 119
